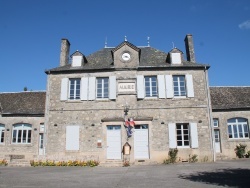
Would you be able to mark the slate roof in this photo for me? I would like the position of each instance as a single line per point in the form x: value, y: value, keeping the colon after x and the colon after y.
x: 22, y: 103
x: 102, y: 59
x: 230, y: 98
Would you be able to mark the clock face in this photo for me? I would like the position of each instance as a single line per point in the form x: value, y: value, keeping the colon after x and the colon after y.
x: 126, y: 56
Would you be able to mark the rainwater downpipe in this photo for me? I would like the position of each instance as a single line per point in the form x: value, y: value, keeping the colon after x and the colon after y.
x: 210, y: 119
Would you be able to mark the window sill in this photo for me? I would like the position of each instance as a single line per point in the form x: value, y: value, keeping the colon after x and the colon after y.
x: 73, y: 101
x: 183, y: 147
x: 21, y: 144
x: 180, y: 97
x: 238, y: 139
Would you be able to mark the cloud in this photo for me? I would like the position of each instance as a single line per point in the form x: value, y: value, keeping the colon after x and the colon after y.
x: 245, y: 25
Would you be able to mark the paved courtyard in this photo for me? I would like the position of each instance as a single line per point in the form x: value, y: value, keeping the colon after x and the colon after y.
x: 235, y: 173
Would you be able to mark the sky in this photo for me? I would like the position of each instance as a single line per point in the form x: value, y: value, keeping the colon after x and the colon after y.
x: 31, y: 33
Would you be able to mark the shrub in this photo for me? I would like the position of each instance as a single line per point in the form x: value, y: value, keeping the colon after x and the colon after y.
x: 90, y: 163
x: 172, y: 156
x: 193, y: 158
x: 240, y: 150
x: 3, y: 162
x: 126, y: 163
x: 248, y: 154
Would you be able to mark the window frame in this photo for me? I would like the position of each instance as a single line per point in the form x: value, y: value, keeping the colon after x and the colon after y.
x: 153, y: 90
x: 25, y: 129
x: 183, y: 140
x: 179, y: 90
x: 2, y: 133
x: 103, y: 91
x: 74, y: 93
x: 215, y: 122
x: 235, y: 128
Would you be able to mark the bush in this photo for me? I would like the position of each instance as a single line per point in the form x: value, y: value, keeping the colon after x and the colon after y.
x: 193, y: 158
x: 3, y: 162
x: 240, y: 150
x: 248, y: 154
x: 172, y: 156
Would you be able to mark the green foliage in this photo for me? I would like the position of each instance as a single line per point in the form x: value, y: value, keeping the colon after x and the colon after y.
x: 240, y: 150
x: 90, y: 163
x: 3, y: 162
x: 172, y: 156
x: 193, y: 158
x: 204, y: 159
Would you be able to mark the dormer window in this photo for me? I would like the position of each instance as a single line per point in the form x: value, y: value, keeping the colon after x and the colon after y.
x: 77, y: 59
x: 175, y: 58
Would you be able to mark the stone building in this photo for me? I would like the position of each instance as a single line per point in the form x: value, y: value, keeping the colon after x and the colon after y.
x: 140, y: 97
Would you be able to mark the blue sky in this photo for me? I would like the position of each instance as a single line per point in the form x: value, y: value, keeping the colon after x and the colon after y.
x: 31, y: 33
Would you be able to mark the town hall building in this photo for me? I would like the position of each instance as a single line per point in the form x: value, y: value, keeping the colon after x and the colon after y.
x: 128, y: 95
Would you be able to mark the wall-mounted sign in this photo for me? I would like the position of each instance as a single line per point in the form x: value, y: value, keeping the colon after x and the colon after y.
x: 126, y: 87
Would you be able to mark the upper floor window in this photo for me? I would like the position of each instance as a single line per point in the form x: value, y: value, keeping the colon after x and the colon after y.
x: 2, y: 130
x: 238, y: 128
x: 102, y: 88
x: 179, y: 85
x: 21, y: 133
x: 151, y: 86
x: 216, y: 122
x: 74, y: 88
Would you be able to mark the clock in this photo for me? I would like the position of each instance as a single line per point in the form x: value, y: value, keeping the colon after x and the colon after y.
x: 126, y: 56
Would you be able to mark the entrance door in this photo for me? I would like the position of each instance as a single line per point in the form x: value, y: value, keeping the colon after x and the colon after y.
x: 141, y: 142
x: 114, y: 142
x: 41, y: 146
x: 217, y: 140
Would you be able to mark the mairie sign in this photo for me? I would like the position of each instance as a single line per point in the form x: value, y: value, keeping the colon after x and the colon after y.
x: 126, y: 87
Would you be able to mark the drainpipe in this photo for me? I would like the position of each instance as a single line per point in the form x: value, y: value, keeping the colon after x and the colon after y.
x: 210, y: 119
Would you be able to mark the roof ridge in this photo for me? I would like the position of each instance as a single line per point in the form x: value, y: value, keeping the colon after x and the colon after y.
x: 24, y: 91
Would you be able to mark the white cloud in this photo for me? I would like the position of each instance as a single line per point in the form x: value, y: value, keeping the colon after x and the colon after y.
x: 245, y: 25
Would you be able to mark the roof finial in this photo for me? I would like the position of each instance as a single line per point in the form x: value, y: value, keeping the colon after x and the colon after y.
x: 148, y: 41
x: 106, y: 42
x: 125, y: 38
x: 173, y: 45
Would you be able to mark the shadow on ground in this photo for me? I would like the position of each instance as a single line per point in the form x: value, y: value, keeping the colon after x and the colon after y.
x: 224, y: 177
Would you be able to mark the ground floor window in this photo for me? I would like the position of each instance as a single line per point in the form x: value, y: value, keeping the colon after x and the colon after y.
x: 238, y: 128
x: 182, y: 134
x: 21, y: 134
x: 2, y: 129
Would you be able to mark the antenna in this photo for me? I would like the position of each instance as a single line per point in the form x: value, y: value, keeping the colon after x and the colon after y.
x: 125, y: 38
x: 106, y: 42
x: 173, y: 45
x: 148, y: 41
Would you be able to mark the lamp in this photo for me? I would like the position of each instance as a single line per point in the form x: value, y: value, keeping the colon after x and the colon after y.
x: 126, y: 109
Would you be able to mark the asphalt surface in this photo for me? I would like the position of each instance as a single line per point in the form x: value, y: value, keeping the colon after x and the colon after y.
x: 234, y: 173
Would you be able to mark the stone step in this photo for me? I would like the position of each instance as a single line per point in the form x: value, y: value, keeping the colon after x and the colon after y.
x: 19, y: 163
x: 111, y: 163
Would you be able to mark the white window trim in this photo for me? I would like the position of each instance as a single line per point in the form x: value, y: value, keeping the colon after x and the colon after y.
x: 23, y: 127
x: 2, y: 129
x: 182, y: 135
x: 150, y: 87
x: 217, y: 122
x: 102, y: 84
x: 179, y: 87
x: 74, y: 97
x: 237, y: 126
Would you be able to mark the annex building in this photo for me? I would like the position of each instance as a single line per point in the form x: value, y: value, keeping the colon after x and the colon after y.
x: 130, y: 95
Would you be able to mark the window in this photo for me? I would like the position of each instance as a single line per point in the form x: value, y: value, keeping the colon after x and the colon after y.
x: 151, y: 86
x: 179, y: 85
x: 182, y: 135
x: 21, y: 133
x: 102, y: 87
x: 2, y: 129
x: 238, y: 128
x: 216, y: 122
x: 74, y: 89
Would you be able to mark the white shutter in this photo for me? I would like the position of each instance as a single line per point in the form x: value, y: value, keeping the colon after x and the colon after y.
x: 190, y: 87
x: 172, y: 135
x: 175, y: 58
x: 169, y: 86
x: 72, y: 138
x: 112, y: 87
x: 140, y: 87
x: 194, y: 135
x: 64, y: 89
x: 161, y: 86
x: 77, y: 61
x: 92, y: 87
x: 84, y: 88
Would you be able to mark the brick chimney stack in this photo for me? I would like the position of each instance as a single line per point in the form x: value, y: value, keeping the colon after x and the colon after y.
x: 64, y: 55
x: 189, y: 48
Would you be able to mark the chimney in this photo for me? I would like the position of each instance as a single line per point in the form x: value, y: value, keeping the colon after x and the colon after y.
x: 189, y: 48
x: 64, y: 56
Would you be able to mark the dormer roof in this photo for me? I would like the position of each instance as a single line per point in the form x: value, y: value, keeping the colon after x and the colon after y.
x: 128, y: 44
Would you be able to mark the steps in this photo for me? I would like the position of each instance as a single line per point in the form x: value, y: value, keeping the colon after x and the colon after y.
x: 19, y: 163
x: 111, y: 163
